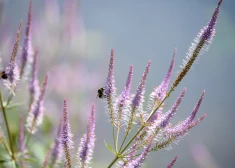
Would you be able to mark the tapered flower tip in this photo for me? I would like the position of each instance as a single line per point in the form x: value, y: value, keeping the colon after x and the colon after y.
x: 139, y: 95
x: 27, y: 50
x: 209, y: 30
x: 169, y: 72
x: 44, y: 85
x: 110, y: 82
x: 14, y: 52
x: 196, y: 108
x: 172, y: 162
x: 129, y: 79
x: 92, y: 117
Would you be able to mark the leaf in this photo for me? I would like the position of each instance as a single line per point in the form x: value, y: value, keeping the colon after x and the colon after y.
x: 29, y: 160
x: 13, y: 105
x: 4, y: 160
x: 109, y: 147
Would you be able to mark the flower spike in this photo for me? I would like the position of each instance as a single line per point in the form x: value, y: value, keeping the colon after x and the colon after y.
x: 172, y: 162
x: 33, y: 83
x: 66, y: 138
x: 201, y: 43
x: 110, y: 90
x: 35, y: 116
x: 12, y: 70
x: 138, y: 98
x: 27, y: 47
x: 87, y: 143
x: 160, y: 92
x: 57, y: 149
x: 123, y: 102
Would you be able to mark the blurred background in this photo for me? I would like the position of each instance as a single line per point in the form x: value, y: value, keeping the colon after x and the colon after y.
x: 74, y: 39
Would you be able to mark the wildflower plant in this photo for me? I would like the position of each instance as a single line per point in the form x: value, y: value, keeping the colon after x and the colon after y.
x: 126, y: 112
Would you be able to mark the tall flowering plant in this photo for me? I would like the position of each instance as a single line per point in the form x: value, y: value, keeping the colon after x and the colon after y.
x: 154, y: 130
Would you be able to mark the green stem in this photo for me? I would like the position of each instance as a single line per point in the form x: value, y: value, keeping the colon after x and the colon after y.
x: 114, y: 139
x: 30, y: 133
x: 8, y: 128
x: 117, y: 139
x: 123, y: 142
x: 141, y: 128
x: 114, y: 160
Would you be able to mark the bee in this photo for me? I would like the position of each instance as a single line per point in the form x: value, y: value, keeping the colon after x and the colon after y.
x: 100, y: 93
x: 3, y: 75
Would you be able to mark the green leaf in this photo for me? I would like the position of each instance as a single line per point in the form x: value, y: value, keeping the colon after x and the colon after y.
x: 29, y: 160
x: 13, y: 105
x: 109, y: 147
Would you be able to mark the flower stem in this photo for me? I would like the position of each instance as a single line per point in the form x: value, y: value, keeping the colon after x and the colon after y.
x: 114, y: 139
x: 7, y: 126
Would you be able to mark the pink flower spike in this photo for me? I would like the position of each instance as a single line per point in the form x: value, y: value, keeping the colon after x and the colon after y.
x: 35, y: 116
x: 66, y: 138
x: 27, y: 51
x: 87, y: 143
x: 172, y: 162
x: 138, y: 98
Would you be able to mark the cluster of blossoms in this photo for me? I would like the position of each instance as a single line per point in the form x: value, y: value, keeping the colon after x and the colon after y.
x: 154, y: 128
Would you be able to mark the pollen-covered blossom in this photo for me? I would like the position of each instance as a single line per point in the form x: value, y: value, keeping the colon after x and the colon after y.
x: 66, y: 138
x: 27, y: 50
x: 172, y: 162
x: 57, y: 148
x: 87, y: 142
x: 35, y: 115
x: 12, y: 70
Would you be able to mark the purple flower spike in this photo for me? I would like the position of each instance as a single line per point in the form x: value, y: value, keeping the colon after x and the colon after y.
x: 138, y: 98
x: 138, y: 162
x: 110, y: 90
x: 27, y: 47
x: 182, y: 129
x: 209, y: 30
x: 123, y: 101
x: 195, y: 110
x: 12, y: 70
x: 160, y: 92
x: 57, y: 149
x: 66, y: 138
x: 129, y: 79
x: 110, y: 83
x: 35, y: 116
x: 172, y: 162
x: 87, y: 143
x: 169, y: 115
x: 33, y: 83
